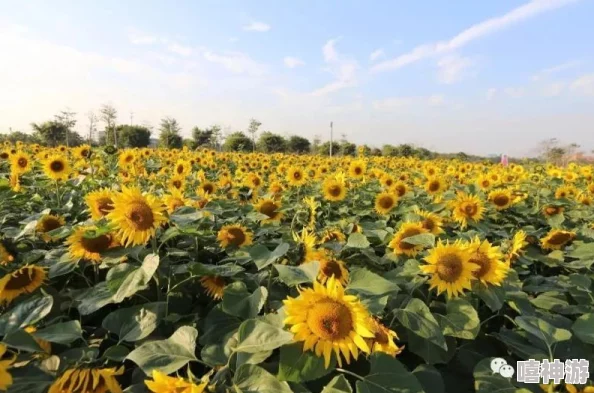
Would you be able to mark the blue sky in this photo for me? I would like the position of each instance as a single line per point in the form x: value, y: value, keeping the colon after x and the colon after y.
x: 483, y: 77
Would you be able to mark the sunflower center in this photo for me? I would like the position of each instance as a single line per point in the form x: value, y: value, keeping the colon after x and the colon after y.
x: 104, y: 205
x: 560, y: 238
x: 552, y: 210
x: 332, y: 268
x: 484, y: 263
x: 21, y: 279
x: 428, y: 224
x: 389, y: 182
x: 175, y: 203
x: 449, y: 267
x: 208, y: 188
x: 501, y: 200
x: 400, y: 189
x: 256, y: 181
x: 180, y: 169
x: 236, y: 236
x: 330, y: 320
x: 434, y: 186
x: 4, y: 155
x: 22, y: 162
x: 335, y: 190
x: 297, y: 175
x: 84, y: 153
x: 57, y: 166
x: 406, y: 234
x: 358, y: 170
x: 96, y: 244
x: 470, y: 210
x: 386, y: 202
x: 49, y: 224
x: 381, y: 336
x: 141, y: 216
x: 486, y: 183
x: 177, y: 184
x: 269, y: 208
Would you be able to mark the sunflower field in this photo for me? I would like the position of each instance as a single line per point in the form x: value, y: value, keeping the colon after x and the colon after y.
x: 179, y: 271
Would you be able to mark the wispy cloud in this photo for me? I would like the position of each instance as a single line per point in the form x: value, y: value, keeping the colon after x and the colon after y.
x: 553, y: 89
x: 293, y: 62
x: 584, y: 85
x: 179, y: 49
x: 556, y: 69
x: 260, y: 27
x: 491, y: 94
x: 236, y: 62
x: 137, y: 37
x: 394, y: 103
x: 451, y: 68
x: 473, y: 33
x: 377, y: 54
x: 342, y: 67
x: 514, y: 92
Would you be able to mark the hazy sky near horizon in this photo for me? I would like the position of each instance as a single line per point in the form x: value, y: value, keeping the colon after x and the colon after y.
x: 485, y: 77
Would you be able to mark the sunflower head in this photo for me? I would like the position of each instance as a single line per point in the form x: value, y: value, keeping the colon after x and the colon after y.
x: 56, y: 167
x: 518, y: 243
x: 334, y: 189
x: 450, y: 269
x: 296, y: 176
x: 357, y: 169
x: 6, y: 256
x: 492, y: 269
x: 383, y: 339
x: 174, y: 200
x: 385, y: 202
x: 87, y: 242
x: 270, y: 208
x: 431, y: 221
x: 161, y: 383
x: 20, y: 163
x: 434, y: 185
x: 85, y: 380
x: 24, y: 280
x: 557, y: 239
x: 214, y: 286
x: 48, y: 223
x: 552, y: 210
x: 234, y: 235
x: 333, y: 235
x: 467, y: 208
x: 406, y: 230
x: 501, y: 199
x: 100, y: 203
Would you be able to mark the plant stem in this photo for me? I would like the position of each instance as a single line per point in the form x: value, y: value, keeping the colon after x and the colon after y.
x: 342, y: 370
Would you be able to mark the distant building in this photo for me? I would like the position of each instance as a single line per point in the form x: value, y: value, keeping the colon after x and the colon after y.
x: 154, y: 142
x: 581, y: 157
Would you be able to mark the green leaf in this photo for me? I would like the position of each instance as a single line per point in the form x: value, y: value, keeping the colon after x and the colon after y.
x: 556, y: 220
x: 218, y: 326
x: 29, y: 379
x: 94, y: 299
x: 493, y: 296
x: 424, y: 239
x: 167, y: 355
x: 429, y: 378
x: 583, y: 251
x: 543, y: 330
x: 297, y: 365
x: 117, y: 353
x: 417, y: 318
x: 388, y: 375
x: 26, y: 313
x: 124, y: 282
x: 135, y: 323
x: 227, y: 270
x: 239, y: 302
x: 21, y: 340
x: 486, y: 381
x: 461, y: 320
x: 60, y: 268
x: 357, y: 240
x: 263, y: 257
x: 60, y: 333
x: 295, y: 275
x: 250, y: 378
x: 365, y: 283
x: 583, y: 327
x: 256, y: 336
x: 338, y: 384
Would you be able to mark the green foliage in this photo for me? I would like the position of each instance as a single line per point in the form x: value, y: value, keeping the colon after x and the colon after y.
x: 169, y: 136
x: 271, y: 143
x: 133, y: 136
x: 238, y: 141
x: 298, y: 145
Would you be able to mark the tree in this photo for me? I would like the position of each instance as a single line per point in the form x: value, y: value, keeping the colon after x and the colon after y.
x: 376, y: 152
x: 252, y: 130
x: 189, y: 143
x: 66, y: 118
x: 51, y: 133
x: 316, y: 143
x: 93, y: 119
x: 348, y: 148
x: 169, y: 136
x: 298, y: 144
x: 216, y: 136
x: 389, y: 151
x: 272, y: 143
x: 406, y: 150
x: 108, y: 114
x: 133, y: 135
x: 19, y: 136
x: 238, y: 141
x: 324, y: 148
x: 202, y: 137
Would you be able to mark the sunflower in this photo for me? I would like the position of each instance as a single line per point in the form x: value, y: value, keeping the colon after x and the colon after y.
x: 572, y: 389
x: 5, y: 377
x: 484, y: 182
x: 329, y: 267
x: 276, y: 188
x: 162, y: 383
x: 518, y: 243
x: 326, y: 320
x: 430, y: 221
x: 48, y: 223
x: 86, y: 380
x: 214, y: 286
x: 502, y: 199
x: 556, y: 239
x: 175, y: 199
x: 334, y: 189
x: 270, y: 208
x: 552, y: 210
x: 127, y: 158
x: 385, y: 202
x: 100, y: 203
x: 383, y: 340
x: 387, y: 181
x: 182, y: 168
x: 24, y: 280
x: 357, y: 169
x: 136, y: 216
x: 234, y: 235
x: 406, y: 230
x: 82, y: 152
x: 207, y: 186
x: 585, y: 199
x: 46, y: 346
x: 333, y: 235
x: 178, y: 182
x: 400, y: 189
x: 306, y: 243
x: 20, y: 163
x: 450, y: 269
x: 86, y: 243
x: 466, y: 208
x: 565, y: 192
x: 5, y: 256
x: 4, y: 154
x: 312, y: 207
x: 253, y: 181
x: 296, y: 176
x: 492, y: 269
x: 56, y: 167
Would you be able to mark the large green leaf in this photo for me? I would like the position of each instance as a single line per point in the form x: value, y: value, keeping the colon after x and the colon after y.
x: 125, y: 280
x: 583, y: 251
x: 135, y: 323
x: 417, y: 318
x: 543, y: 330
x: 29, y: 379
x: 461, y: 320
x: 429, y: 378
x: 493, y: 296
x: 250, y: 378
x: 263, y: 257
x: 60, y: 333
x: 423, y: 239
x: 357, y: 240
x: 583, y: 327
x: 94, y: 299
x: 26, y: 313
x: 295, y: 275
x: 21, y: 340
x: 388, y: 375
x: 167, y: 355
x: 372, y: 289
x: 256, y: 335
x: 239, y: 302
x: 297, y: 365
x: 338, y: 384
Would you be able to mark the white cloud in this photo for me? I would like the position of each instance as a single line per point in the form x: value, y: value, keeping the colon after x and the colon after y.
x: 342, y: 67
x: 233, y: 39
x: 293, y: 62
x: 553, y: 89
x: 257, y: 26
x: 236, y: 62
x: 556, y: 69
x: 179, y: 49
x: 584, y: 85
x: 491, y: 93
x: 394, y: 103
x: 377, y: 54
x: 436, y: 99
x: 514, y: 92
x: 451, y: 68
x: 137, y: 37
x: 472, y: 33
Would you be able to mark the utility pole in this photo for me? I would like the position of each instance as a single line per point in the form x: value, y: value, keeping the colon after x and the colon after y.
x: 331, y: 132
x: 131, y: 117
